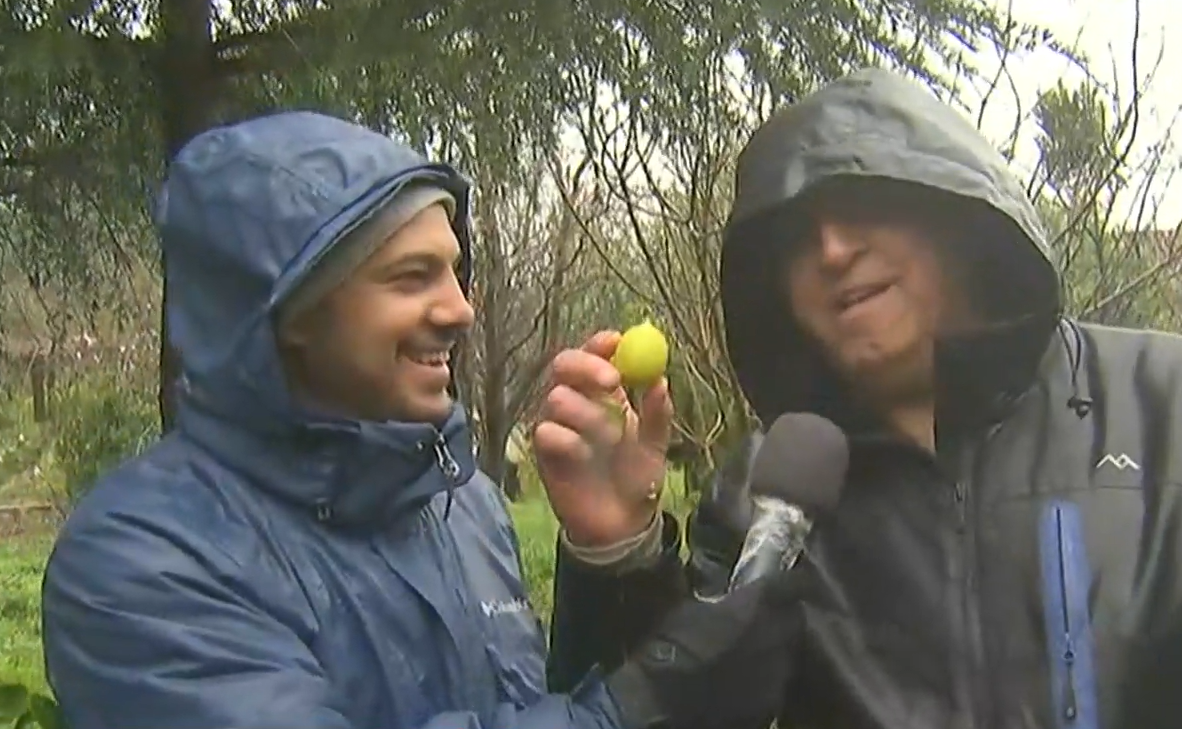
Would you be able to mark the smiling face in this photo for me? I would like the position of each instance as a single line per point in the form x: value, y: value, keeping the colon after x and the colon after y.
x: 867, y: 282
x: 377, y: 347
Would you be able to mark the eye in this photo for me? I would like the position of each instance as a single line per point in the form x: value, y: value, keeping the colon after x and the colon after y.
x: 411, y: 279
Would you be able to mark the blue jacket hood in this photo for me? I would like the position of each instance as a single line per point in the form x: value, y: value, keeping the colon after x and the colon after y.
x: 247, y: 210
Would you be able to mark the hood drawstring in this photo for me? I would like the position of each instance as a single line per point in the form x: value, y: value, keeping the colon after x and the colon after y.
x: 1081, y: 404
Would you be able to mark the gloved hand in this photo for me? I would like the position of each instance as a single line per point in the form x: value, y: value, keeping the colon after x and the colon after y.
x: 716, y: 664
x: 716, y: 529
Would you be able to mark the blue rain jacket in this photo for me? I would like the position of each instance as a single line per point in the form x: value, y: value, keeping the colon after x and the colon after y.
x: 263, y: 568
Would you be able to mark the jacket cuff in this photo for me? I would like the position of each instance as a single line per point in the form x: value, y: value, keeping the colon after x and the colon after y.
x: 657, y: 552
x: 601, y: 616
x: 627, y: 605
x: 639, y: 552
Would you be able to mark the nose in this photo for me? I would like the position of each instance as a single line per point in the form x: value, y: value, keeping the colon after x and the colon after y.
x: 452, y: 310
x: 838, y: 244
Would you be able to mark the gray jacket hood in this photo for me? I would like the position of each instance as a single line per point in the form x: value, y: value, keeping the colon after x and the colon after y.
x: 880, y: 125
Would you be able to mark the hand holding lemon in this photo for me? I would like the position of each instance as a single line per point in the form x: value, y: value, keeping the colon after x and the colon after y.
x: 602, y: 466
x: 641, y: 356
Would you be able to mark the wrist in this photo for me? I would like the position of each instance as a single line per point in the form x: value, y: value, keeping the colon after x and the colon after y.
x: 622, y: 555
x: 633, y: 529
x: 644, y: 513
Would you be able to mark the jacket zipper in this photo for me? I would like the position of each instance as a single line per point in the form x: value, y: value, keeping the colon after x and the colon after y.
x: 1069, y: 707
x: 459, y: 625
x: 447, y: 462
x: 1068, y: 640
x: 958, y: 493
x: 461, y: 631
x: 962, y: 491
x: 981, y: 694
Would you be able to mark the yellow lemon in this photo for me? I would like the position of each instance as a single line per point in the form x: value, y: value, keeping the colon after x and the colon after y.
x: 641, y: 356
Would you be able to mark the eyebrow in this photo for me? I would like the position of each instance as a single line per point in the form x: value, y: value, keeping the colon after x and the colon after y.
x: 422, y: 258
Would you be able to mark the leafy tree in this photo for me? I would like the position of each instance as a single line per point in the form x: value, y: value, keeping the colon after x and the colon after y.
x: 1118, y: 268
x: 98, y: 96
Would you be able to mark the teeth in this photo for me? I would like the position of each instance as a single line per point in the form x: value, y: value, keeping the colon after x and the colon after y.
x: 858, y: 297
x: 433, y: 359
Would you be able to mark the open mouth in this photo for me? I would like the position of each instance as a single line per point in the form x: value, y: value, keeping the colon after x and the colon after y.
x: 856, y: 295
x: 429, y: 359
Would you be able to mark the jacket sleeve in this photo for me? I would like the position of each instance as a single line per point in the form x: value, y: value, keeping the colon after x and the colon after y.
x: 145, y: 629
x: 599, y: 617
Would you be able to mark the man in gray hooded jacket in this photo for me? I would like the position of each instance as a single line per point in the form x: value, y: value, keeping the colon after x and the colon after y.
x: 1006, y: 551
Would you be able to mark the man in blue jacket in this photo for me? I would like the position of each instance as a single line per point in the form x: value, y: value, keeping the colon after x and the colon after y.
x: 313, y: 547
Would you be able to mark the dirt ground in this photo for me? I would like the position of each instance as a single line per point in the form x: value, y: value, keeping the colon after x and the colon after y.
x: 21, y: 519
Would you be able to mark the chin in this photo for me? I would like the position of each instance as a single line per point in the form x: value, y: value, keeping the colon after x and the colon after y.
x: 881, y: 366
x: 429, y: 409
x: 864, y: 357
x: 868, y: 360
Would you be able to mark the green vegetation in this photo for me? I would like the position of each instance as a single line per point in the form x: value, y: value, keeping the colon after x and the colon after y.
x: 21, y: 561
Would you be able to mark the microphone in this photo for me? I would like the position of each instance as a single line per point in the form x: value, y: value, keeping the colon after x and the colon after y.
x: 797, y: 475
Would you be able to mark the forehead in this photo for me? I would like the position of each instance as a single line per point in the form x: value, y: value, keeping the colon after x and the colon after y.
x: 879, y: 212
x: 429, y: 234
x: 867, y: 199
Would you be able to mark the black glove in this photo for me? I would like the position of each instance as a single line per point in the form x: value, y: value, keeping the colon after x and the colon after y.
x: 716, y: 664
x: 718, y: 526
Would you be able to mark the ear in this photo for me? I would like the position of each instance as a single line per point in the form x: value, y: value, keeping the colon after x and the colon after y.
x: 294, y: 332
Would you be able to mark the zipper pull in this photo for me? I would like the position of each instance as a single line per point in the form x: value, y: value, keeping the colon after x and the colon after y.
x: 1069, y: 701
x: 959, y: 496
x: 444, y: 458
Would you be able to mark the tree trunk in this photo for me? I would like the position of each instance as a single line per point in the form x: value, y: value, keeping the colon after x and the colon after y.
x: 187, y: 79
x: 493, y: 424
x: 39, y: 380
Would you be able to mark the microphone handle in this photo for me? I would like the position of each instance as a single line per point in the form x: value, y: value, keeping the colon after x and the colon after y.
x: 772, y: 543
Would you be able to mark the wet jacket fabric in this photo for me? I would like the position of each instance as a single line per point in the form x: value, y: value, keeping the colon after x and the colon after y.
x: 262, y: 566
x: 941, y: 577
x: 941, y: 573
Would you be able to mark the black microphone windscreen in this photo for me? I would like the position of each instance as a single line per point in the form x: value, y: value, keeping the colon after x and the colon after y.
x: 803, y: 461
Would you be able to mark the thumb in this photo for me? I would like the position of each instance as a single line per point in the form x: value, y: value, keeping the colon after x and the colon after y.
x: 602, y: 343
x: 656, y: 417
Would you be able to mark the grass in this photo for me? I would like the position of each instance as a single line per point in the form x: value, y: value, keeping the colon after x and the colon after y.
x: 537, y: 531
x: 22, y: 559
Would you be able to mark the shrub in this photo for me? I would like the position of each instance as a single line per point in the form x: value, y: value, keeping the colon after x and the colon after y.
x: 101, y: 420
x: 22, y: 708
